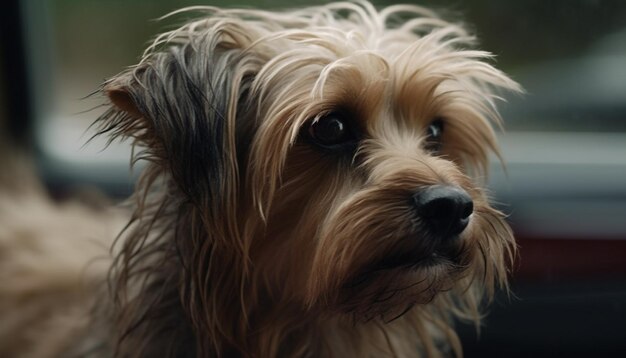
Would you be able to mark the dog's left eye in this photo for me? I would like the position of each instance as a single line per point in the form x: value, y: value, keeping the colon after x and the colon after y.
x: 332, y: 131
x: 434, y: 133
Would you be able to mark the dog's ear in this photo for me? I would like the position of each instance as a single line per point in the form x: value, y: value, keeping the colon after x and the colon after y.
x: 120, y: 98
x: 181, y: 104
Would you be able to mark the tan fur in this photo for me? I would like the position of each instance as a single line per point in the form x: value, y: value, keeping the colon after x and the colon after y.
x: 249, y: 241
x: 53, y: 261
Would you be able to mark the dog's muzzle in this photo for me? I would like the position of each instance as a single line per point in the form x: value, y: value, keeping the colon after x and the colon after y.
x: 445, y: 209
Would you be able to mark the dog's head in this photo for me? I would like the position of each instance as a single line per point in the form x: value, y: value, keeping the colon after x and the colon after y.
x: 332, y: 154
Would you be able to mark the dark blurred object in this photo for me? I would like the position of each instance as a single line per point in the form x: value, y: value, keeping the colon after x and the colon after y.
x: 14, y: 81
x: 575, y: 318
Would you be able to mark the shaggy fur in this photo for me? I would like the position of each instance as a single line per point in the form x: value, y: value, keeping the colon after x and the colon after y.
x: 248, y: 238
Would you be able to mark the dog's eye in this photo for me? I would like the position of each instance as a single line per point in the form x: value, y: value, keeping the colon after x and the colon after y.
x: 331, y: 131
x: 434, y: 133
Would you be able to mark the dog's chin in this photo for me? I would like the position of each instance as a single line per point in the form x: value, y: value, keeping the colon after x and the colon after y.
x: 392, y: 285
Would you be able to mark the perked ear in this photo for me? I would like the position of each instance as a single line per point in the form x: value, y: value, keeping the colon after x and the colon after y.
x: 120, y: 98
x: 181, y: 104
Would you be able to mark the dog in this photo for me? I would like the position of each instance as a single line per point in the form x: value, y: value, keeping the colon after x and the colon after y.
x: 312, y: 188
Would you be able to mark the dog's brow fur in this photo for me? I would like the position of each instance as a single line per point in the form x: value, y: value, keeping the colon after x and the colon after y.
x: 247, y: 239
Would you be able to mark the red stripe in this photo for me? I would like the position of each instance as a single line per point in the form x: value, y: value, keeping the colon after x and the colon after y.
x: 563, y: 259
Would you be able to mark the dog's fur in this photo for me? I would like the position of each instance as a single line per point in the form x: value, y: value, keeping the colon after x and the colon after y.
x: 250, y: 239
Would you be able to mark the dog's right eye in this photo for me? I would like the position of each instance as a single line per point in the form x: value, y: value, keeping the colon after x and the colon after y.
x: 332, y: 131
x: 434, y: 133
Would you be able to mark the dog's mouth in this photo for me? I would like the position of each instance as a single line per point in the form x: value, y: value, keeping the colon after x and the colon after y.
x: 415, y: 261
x: 410, y: 260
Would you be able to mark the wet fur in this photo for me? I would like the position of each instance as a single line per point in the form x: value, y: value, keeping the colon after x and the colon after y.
x: 248, y: 240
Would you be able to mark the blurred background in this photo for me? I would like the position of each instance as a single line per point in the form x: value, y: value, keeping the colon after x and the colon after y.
x: 564, y: 143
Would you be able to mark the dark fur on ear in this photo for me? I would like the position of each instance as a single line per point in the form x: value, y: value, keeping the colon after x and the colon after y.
x: 177, y: 108
x: 181, y: 105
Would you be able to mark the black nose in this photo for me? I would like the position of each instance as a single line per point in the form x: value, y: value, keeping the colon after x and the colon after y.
x: 444, y: 208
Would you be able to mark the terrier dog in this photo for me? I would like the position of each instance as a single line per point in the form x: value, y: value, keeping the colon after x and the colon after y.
x: 313, y: 188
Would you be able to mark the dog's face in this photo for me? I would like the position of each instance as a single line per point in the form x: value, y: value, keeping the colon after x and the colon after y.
x: 334, y: 153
